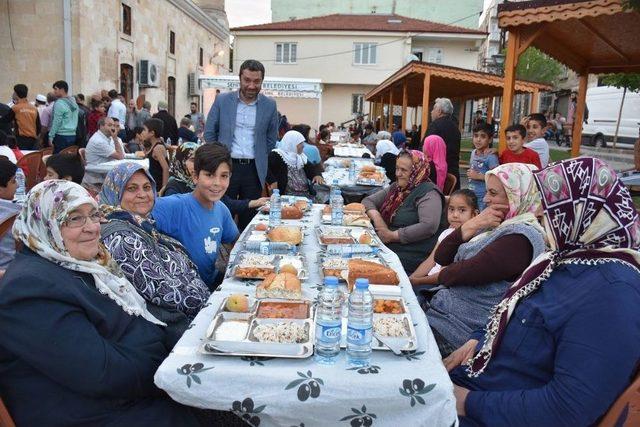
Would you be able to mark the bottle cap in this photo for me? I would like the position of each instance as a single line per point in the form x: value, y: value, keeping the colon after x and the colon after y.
x: 362, y: 283
x: 276, y: 191
x: 331, y: 281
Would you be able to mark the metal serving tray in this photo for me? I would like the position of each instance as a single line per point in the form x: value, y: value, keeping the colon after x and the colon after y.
x: 277, y: 261
x: 322, y: 257
x: 348, y: 231
x: 251, y: 234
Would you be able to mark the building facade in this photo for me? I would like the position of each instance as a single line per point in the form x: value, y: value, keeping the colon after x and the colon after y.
x: 350, y: 54
x: 465, y: 13
x: 146, y: 49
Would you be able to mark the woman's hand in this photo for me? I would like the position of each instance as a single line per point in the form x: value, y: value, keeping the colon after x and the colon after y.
x: 461, y: 355
x: 474, y: 174
x: 386, y: 235
x: 461, y: 398
x: 318, y: 179
x: 254, y: 204
x: 491, y: 217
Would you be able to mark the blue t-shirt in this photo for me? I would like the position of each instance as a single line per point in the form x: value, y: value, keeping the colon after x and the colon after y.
x: 200, y: 230
x: 482, y: 163
x: 312, y: 153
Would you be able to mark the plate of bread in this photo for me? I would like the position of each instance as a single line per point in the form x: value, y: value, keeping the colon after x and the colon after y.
x: 252, y: 266
x: 353, y: 214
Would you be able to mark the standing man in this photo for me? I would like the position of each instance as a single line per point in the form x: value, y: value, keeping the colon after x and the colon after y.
x: 197, y: 119
x: 247, y: 123
x: 144, y: 114
x: 62, y: 133
x: 27, y: 119
x: 443, y: 125
x: 118, y: 110
x: 82, y: 131
x: 170, y: 131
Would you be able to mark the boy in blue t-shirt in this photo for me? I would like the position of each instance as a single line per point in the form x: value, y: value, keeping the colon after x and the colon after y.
x: 199, y: 220
x: 483, y: 159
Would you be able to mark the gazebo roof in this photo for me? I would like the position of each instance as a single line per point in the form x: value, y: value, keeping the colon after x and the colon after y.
x: 446, y: 81
x: 593, y: 36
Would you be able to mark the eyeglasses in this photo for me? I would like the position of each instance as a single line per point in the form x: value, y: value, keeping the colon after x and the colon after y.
x: 77, y: 221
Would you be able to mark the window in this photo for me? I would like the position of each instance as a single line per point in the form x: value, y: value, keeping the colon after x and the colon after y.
x: 364, y: 53
x: 417, y: 53
x: 435, y: 55
x: 201, y: 57
x: 286, y: 53
x: 126, y: 19
x: 172, y: 42
x: 357, y: 103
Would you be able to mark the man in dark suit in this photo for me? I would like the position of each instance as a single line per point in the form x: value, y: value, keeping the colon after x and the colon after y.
x: 443, y: 125
x: 170, y: 125
x: 247, y: 123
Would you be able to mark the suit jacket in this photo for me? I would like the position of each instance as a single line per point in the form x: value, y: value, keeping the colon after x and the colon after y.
x: 221, y: 125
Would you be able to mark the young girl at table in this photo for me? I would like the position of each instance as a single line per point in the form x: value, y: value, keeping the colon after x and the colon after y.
x: 156, y: 152
x: 463, y: 205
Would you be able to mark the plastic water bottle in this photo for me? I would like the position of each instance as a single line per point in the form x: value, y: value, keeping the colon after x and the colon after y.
x: 179, y: 141
x: 275, y: 209
x: 268, y: 248
x: 168, y: 143
x: 337, y: 205
x: 360, y: 324
x: 21, y: 188
x: 329, y: 322
x: 348, y: 251
x: 352, y: 171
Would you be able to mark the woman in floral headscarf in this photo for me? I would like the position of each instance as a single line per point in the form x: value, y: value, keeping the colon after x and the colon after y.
x: 564, y: 341
x: 482, y: 257
x: 409, y: 214
x: 78, y: 343
x: 181, y: 170
x: 156, y: 264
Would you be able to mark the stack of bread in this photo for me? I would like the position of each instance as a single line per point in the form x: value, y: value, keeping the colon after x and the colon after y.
x: 371, y: 172
x: 281, y: 285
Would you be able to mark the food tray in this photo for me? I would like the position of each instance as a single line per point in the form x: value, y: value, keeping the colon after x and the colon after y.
x: 234, y: 334
x: 351, y: 235
x: 274, y: 262
x: 251, y: 234
x: 322, y: 258
x: 326, y: 219
x: 287, y: 200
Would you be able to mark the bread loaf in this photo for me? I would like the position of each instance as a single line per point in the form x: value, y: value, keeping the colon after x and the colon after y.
x: 282, y: 285
x: 292, y: 235
x: 376, y: 273
x: 291, y: 212
x: 354, y: 207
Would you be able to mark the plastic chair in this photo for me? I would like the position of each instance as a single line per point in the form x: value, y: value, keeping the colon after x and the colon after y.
x: 81, y: 152
x: 70, y: 150
x: 47, y: 151
x: 31, y: 163
x: 5, y: 418
x: 449, y: 184
x: 625, y: 411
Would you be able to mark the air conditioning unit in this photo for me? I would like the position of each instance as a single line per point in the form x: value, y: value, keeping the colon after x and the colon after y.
x: 148, y: 74
x: 194, y: 85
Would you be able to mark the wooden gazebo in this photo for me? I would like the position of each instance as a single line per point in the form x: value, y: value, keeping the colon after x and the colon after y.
x: 419, y: 83
x: 589, y: 36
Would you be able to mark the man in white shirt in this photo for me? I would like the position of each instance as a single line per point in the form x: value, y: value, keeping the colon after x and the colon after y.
x: 119, y: 111
x: 103, y: 146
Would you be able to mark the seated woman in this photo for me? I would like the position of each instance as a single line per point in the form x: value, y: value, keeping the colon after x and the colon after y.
x: 564, y: 342
x: 156, y: 264
x: 386, y: 154
x: 436, y: 151
x: 409, y: 214
x: 181, y: 173
x: 79, y: 346
x: 289, y: 168
x: 479, y: 265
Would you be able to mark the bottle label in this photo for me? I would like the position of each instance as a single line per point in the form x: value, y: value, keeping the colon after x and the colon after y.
x: 264, y: 248
x: 358, y: 336
x: 328, y: 333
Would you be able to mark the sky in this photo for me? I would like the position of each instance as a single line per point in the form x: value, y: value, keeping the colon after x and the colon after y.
x: 248, y: 12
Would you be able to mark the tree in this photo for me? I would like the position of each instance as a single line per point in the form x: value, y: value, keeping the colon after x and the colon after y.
x: 537, y: 66
x: 627, y: 82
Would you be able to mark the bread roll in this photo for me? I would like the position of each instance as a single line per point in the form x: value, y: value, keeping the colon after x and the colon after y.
x: 292, y: 235
x: 303, y: 205
x: 360, y: 220
x: 368, y: 168
x: 355, y: 207
x: 282, y: 285
x: 291, y: 212
x: 377, y: 274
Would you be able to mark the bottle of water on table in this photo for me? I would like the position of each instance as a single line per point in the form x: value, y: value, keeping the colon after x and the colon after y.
x: 275, y: 209
x: 21, y: 185
x: 352, y: 171
x: 329, y: 322
x: 337, y: 205
x: 348, y: 251
x: 270, y: 248
x: 360, y: 324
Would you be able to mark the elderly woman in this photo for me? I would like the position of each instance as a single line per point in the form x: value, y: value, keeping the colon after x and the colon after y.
x: 564, y: 341
x: 409, y: 214
x: 156, y: 264
x: 479, y: 265
x: 435, y: 150
x: 289, y: 168
x: 79, y: 346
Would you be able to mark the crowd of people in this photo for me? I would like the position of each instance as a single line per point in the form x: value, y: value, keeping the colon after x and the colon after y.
x: 529, y: 277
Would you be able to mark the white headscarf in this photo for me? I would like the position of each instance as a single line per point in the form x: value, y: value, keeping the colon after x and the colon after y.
x: 385, y: 146
x: 38, y: 226
x: 289, y: 150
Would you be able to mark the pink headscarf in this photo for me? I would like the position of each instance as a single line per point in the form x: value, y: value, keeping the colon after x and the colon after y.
x: 436, y: 151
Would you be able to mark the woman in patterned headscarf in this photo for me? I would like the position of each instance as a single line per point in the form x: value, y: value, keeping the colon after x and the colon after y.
x: 564, y: 341
x: 72, y: 325
x: 485, y: 255
x: 409, y: 214
x: 156, y: 264
x: 181, y: 170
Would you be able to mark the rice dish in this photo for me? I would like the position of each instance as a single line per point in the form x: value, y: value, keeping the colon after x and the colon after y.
x: 390, y: 327
x: 281, y: 332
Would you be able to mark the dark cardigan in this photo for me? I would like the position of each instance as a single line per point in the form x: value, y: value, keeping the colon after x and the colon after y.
x: 278, y: 171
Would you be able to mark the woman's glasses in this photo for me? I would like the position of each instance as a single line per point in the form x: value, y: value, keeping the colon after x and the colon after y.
x: 77, y: 220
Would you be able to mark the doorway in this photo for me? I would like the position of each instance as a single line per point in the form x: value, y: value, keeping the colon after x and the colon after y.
x: 126, y: 81
x: 171, y: 95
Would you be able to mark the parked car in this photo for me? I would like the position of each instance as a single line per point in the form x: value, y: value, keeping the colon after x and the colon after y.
x: 604, y: 105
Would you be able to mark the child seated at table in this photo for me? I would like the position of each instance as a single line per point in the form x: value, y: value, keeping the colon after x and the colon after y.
x: 64, y: 166
x: 516, y: 151
x: 462, y: 206
x: 198, y: 219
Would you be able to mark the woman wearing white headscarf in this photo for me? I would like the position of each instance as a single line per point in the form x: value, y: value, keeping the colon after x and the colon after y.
x: 79, y: 345
x: 289, y: 168
x: 386, y: 154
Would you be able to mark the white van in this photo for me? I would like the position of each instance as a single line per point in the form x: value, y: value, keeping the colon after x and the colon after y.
x: 604, y: 105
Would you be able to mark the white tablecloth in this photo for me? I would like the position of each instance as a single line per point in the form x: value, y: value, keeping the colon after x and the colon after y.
x: 107, y: 166
x: 351, y: 151
x: 339, y: 162
x: 409, y: 390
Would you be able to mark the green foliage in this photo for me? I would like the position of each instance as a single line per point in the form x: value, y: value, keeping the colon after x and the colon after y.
x: 631, y: 4
x: 629, y: 81
x: 537, y: 66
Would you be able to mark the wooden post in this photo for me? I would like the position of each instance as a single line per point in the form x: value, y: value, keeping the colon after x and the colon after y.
x: 509, y: 85
x: 415, y: 116
x: 405, y: 100
x: 390, y: 112
x: 490, y: 110
x: 535, y: 101
x: 382, y: 117
x: 425, y: 102
x: 461, y: 111
x: 576, y: 137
